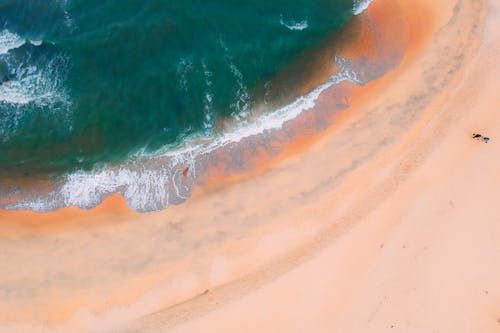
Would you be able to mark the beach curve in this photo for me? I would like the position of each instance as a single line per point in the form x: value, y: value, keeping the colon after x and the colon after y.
x: 317, y: 202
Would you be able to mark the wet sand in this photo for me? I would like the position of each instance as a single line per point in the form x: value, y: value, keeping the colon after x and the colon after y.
x: 384, y: 221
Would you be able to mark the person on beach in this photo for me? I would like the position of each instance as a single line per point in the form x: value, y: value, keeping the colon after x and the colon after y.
x: 478, y: 136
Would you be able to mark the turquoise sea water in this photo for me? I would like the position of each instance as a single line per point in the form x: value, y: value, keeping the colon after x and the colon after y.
x: 90, y: 81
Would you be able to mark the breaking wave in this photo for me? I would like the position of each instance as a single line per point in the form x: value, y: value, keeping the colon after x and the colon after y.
x: 32, y: 83
x: 9, y: 41
x: 360, y: 6
x: 294, y: 25
x: 29, y: 83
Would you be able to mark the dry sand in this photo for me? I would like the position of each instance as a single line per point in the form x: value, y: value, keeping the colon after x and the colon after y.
x: 385, y: 222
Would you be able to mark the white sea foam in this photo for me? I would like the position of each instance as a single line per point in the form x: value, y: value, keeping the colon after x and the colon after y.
x: 208, y: 122
x: 9, y: 41
x: 155, y: 185
x: 29, y: 85
x: 145, y: 188
x: 141, y: 187
x: 294, y: 25
x: 360, y: 6
x: 36, y: 42
x: 34, y: 84
x: 241, y: 103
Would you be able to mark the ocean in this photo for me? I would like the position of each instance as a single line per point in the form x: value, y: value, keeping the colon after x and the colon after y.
x: 87, y: 84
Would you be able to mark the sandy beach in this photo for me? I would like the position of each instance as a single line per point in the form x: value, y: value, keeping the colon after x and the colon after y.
x: 386, y: 220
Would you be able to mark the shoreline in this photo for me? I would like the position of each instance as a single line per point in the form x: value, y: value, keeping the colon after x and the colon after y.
x: 255, y: 156
x: 251, y: 304
x: 423, y: 259
x: 226, y: 230
x: 282, y: 127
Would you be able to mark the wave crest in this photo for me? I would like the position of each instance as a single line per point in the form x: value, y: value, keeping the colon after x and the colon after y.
x: 294, y: 25
x: 360, y: 6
